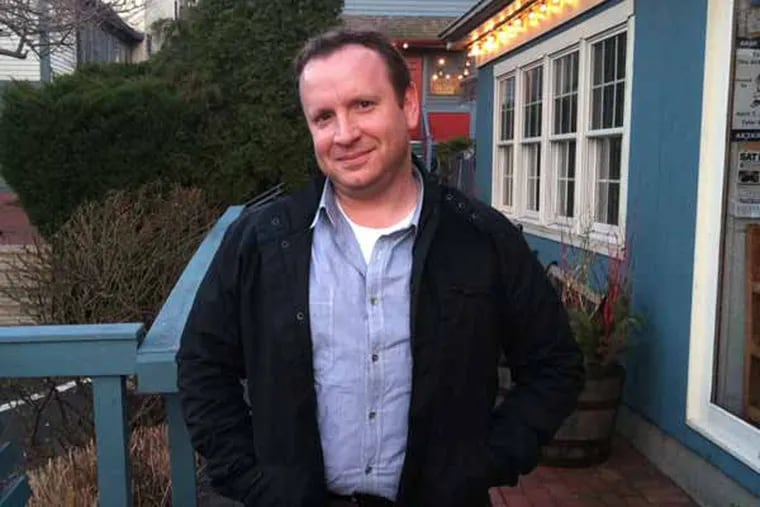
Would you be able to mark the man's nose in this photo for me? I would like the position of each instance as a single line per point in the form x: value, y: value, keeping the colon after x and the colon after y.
x: 347, y: 131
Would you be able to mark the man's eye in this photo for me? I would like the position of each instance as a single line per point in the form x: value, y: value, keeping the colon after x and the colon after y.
x: 322, y: 118
x: 365, y: 104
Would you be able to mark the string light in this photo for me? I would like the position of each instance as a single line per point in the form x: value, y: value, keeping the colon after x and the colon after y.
x: 520, y: 16
x: 442, y: 62
x: 406, y: 45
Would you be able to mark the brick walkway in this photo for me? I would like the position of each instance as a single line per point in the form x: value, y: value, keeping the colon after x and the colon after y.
x: 14, y: 224
x: 627, y: 479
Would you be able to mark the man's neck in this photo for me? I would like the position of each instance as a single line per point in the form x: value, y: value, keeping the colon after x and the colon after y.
x: 386, y: 208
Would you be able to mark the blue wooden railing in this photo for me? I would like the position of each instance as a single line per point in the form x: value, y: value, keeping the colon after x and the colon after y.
x: 104, y: 353
x: 157, y: 370
x: 14, y: 487
x: 110, y: 353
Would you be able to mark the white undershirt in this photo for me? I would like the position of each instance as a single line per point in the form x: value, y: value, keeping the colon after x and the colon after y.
x: 368, y: 236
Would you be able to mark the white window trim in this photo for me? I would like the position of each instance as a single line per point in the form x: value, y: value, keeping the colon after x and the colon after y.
x: 553, y: 219
x: 613, y: 20
x: 497, y: 176
x: 734, y: 435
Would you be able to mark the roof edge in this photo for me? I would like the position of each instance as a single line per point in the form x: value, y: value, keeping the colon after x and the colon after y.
x: 478, y: 14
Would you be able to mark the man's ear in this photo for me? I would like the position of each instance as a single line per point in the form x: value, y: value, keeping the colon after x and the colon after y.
x: 411, y: 106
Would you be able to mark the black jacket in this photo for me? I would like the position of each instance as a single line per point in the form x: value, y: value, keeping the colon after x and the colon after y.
x: 476, y: 290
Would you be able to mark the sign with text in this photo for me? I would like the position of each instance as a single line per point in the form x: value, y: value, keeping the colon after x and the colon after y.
x: 746, y: 115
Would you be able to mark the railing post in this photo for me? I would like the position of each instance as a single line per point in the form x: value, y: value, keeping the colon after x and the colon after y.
x: 182, y: 456
x: 112, y: 438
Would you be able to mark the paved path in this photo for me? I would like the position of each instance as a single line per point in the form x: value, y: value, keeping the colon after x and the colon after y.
x: 627, y: 479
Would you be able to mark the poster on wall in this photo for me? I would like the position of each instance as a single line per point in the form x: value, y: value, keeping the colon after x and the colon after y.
x: 746, y: 200
x: 746, y: 114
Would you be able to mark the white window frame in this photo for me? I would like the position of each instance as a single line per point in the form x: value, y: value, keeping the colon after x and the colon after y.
x: 501, y: 146
x: 603, y: 230
x: 729, y: 432
x: 566, y: 224
x: 521, y: 177
x: 603, y: 238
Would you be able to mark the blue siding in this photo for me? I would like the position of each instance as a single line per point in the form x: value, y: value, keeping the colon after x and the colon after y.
x: 662, y: 195
x: 454, y: 8
x: 664, y: 161
x: 484, y: 133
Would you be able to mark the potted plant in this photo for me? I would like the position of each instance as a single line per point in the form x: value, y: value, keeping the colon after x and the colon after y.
x: 603, y: 321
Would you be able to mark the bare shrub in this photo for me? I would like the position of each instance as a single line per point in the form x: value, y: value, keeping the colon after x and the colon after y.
x: 70, y: 480
x: 113, y: 261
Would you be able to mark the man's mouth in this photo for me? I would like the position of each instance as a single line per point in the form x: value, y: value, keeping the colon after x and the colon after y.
x: 354, y: 157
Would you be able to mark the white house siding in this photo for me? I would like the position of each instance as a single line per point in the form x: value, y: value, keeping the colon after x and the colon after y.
x: 454, y: 8
x: 27, y: 69
x: 11, y: 313
x: 63, y: 61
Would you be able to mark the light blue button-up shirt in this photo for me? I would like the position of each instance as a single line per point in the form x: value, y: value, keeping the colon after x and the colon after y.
x: 359, y: 315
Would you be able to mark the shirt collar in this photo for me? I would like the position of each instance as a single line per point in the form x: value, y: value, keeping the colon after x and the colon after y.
x: 328, y: 206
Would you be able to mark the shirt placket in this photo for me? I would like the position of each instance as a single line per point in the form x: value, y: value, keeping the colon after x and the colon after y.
x: 376, y: 370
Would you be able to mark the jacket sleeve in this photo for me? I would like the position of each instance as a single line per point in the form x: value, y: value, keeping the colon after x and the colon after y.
x: 210, y: 368
x: 545, y: 363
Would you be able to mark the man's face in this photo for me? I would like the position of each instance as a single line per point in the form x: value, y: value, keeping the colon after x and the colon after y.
x: 359, y: 129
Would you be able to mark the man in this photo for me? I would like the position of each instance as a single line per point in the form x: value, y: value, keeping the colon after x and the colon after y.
x: 367, y: 315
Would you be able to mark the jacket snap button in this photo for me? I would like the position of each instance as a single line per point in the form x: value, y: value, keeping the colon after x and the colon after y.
x: 449, y: 197
x: 275, y: 221
x: 285, y: 244
x: 460, y: 206
x: 300, y: 316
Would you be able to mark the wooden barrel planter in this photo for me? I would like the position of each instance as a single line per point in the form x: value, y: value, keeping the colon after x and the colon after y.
x: 585, y: 438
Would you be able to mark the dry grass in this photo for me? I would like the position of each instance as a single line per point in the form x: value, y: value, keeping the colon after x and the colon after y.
x: 70, y: 480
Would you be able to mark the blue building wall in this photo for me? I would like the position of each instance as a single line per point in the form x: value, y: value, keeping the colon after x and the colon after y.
x: 662, y: 194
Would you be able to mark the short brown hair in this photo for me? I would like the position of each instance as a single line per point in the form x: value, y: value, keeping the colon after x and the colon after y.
x: 328, y: 43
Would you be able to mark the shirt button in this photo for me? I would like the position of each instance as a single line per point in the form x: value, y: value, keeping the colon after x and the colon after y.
x: 368, y: 470
x: 375, y: 357
x: 372, y: 415
x: 373, y: 301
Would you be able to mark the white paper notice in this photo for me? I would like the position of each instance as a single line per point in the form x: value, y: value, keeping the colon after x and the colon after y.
x: 747, y: 88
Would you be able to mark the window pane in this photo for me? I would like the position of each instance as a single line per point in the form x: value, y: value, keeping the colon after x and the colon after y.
x: 596, y: 107
x: 574, y: 75
x: 566, y: 115
x: 608, y: 106
x: 533, y: 79
x: 508, y: 176
x: 574, y: 114
x: 621, y: 51
x: 608, y: 88
x: 532, y: 153
x: 507, y: 99
x: 565, y: 93
x: 607, y: 152
x: 609, y: 59
x: 615, y: 157
x: 619, y: 101
x: 598, y: 63
x: 565, y: 160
